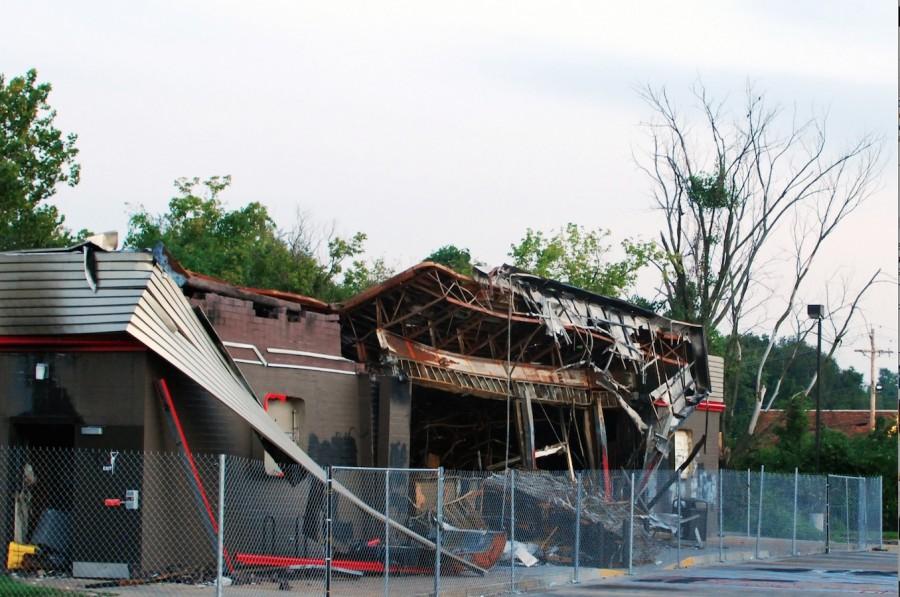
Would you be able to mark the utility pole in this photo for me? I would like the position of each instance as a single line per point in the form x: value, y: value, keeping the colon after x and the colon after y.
x: 872, y: 352
x: 817, y: 312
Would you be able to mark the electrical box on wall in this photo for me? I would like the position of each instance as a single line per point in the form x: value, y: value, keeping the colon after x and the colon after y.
x: 41, y: 371
x: 132, y: 499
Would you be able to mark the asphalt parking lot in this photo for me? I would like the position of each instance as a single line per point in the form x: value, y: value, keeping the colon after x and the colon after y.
x: 871, y: 573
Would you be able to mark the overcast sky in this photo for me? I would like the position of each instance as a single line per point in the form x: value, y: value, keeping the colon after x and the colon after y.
x: 425, y: 123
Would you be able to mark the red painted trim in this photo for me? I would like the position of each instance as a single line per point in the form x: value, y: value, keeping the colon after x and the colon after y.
x: 73, y: 343
x: 713, y: 407
x: 271, y: 396
x: 375, y: 567
x: 170, y: 404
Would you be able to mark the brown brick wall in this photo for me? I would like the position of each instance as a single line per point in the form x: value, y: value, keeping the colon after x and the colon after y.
x: 332, y: 424
x: 235, y: 320
x: 331, y: 400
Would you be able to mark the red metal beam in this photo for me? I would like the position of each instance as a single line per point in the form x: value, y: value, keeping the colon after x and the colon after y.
x: 80, y: 343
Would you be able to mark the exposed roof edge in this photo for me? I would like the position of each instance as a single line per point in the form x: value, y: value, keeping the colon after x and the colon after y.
x: 546, y: 284
x: 397, y: 280
x: 206, y: 283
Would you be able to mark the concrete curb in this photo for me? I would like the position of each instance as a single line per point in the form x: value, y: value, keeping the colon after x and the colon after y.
x: 708, y: 559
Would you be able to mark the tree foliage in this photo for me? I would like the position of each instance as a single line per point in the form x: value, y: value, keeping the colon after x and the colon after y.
x: 727, y: 186
x: 245, y: 247
x: 581, y: 257
x: 457, y: 259
x: 872, y: 454
x: 887, y: 394
x: 35, y: 157
x: 841, y: 388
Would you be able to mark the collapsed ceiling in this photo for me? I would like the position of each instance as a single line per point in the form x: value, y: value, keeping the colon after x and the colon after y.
x: 510, y: 335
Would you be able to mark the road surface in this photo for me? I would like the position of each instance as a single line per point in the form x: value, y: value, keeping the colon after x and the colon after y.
x: 870, y: 573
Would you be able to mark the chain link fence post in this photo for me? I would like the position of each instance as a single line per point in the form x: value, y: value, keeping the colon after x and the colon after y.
x: 578, y: 480
x: 827, y: 513
x: 329, y: 528
x: 678, y: 527
x: 387, y: 532
x: 512, y: 530
x: 748, y: 503
x: 721, y: 508
x: 439, y: 523
x: 880, y: 513
x: 861, y: 534
x: 220, y: 535
x: 762, y: 474
x: 631, y: 527
x: 847, y: 510
x: 794, y: 527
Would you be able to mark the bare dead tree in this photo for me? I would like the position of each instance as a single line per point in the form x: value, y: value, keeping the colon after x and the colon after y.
x: 839, y: 317
x: 813, y: 224
x: 727, y: 186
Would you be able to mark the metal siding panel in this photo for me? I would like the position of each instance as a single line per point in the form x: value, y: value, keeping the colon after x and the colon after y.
x: 53, y: 319
x: 86, y: 306
x: 43, y: 258
x: 49, y: 285
x: 38, y: 294
x: 26, y: 277
x: 61, y: 330
x: 75, y: 266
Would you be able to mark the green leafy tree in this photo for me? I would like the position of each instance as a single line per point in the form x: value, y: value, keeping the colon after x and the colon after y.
x: 872, y: 454
x: 35, y: 157
x: 244, y: 246
x: 887, y: 395
x: 841, y: 388
x: 580, y: 257
x: 459, y: 260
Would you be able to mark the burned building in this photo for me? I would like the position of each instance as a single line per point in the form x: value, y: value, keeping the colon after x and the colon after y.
x: 117, y: 351
x: 507, y: 368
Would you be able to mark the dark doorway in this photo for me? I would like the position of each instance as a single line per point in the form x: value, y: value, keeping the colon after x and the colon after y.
x: 41, y: 474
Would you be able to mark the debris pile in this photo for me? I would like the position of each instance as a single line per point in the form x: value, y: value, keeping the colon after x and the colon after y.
x: 546, y: 510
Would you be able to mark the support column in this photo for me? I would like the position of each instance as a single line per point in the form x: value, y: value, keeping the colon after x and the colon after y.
x: 394, y: 416
x: 589, y: 438
x: 602, y: 452
x: 527, y: 430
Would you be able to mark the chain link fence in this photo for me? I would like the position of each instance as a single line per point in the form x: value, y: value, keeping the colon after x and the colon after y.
x: 85, y: 522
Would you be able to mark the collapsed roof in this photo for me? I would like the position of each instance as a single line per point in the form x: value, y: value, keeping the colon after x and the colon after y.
x: 509, y: 334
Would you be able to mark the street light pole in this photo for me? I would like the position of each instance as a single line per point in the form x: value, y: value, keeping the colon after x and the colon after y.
x: 818, y: 312
x: 818, y: 392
